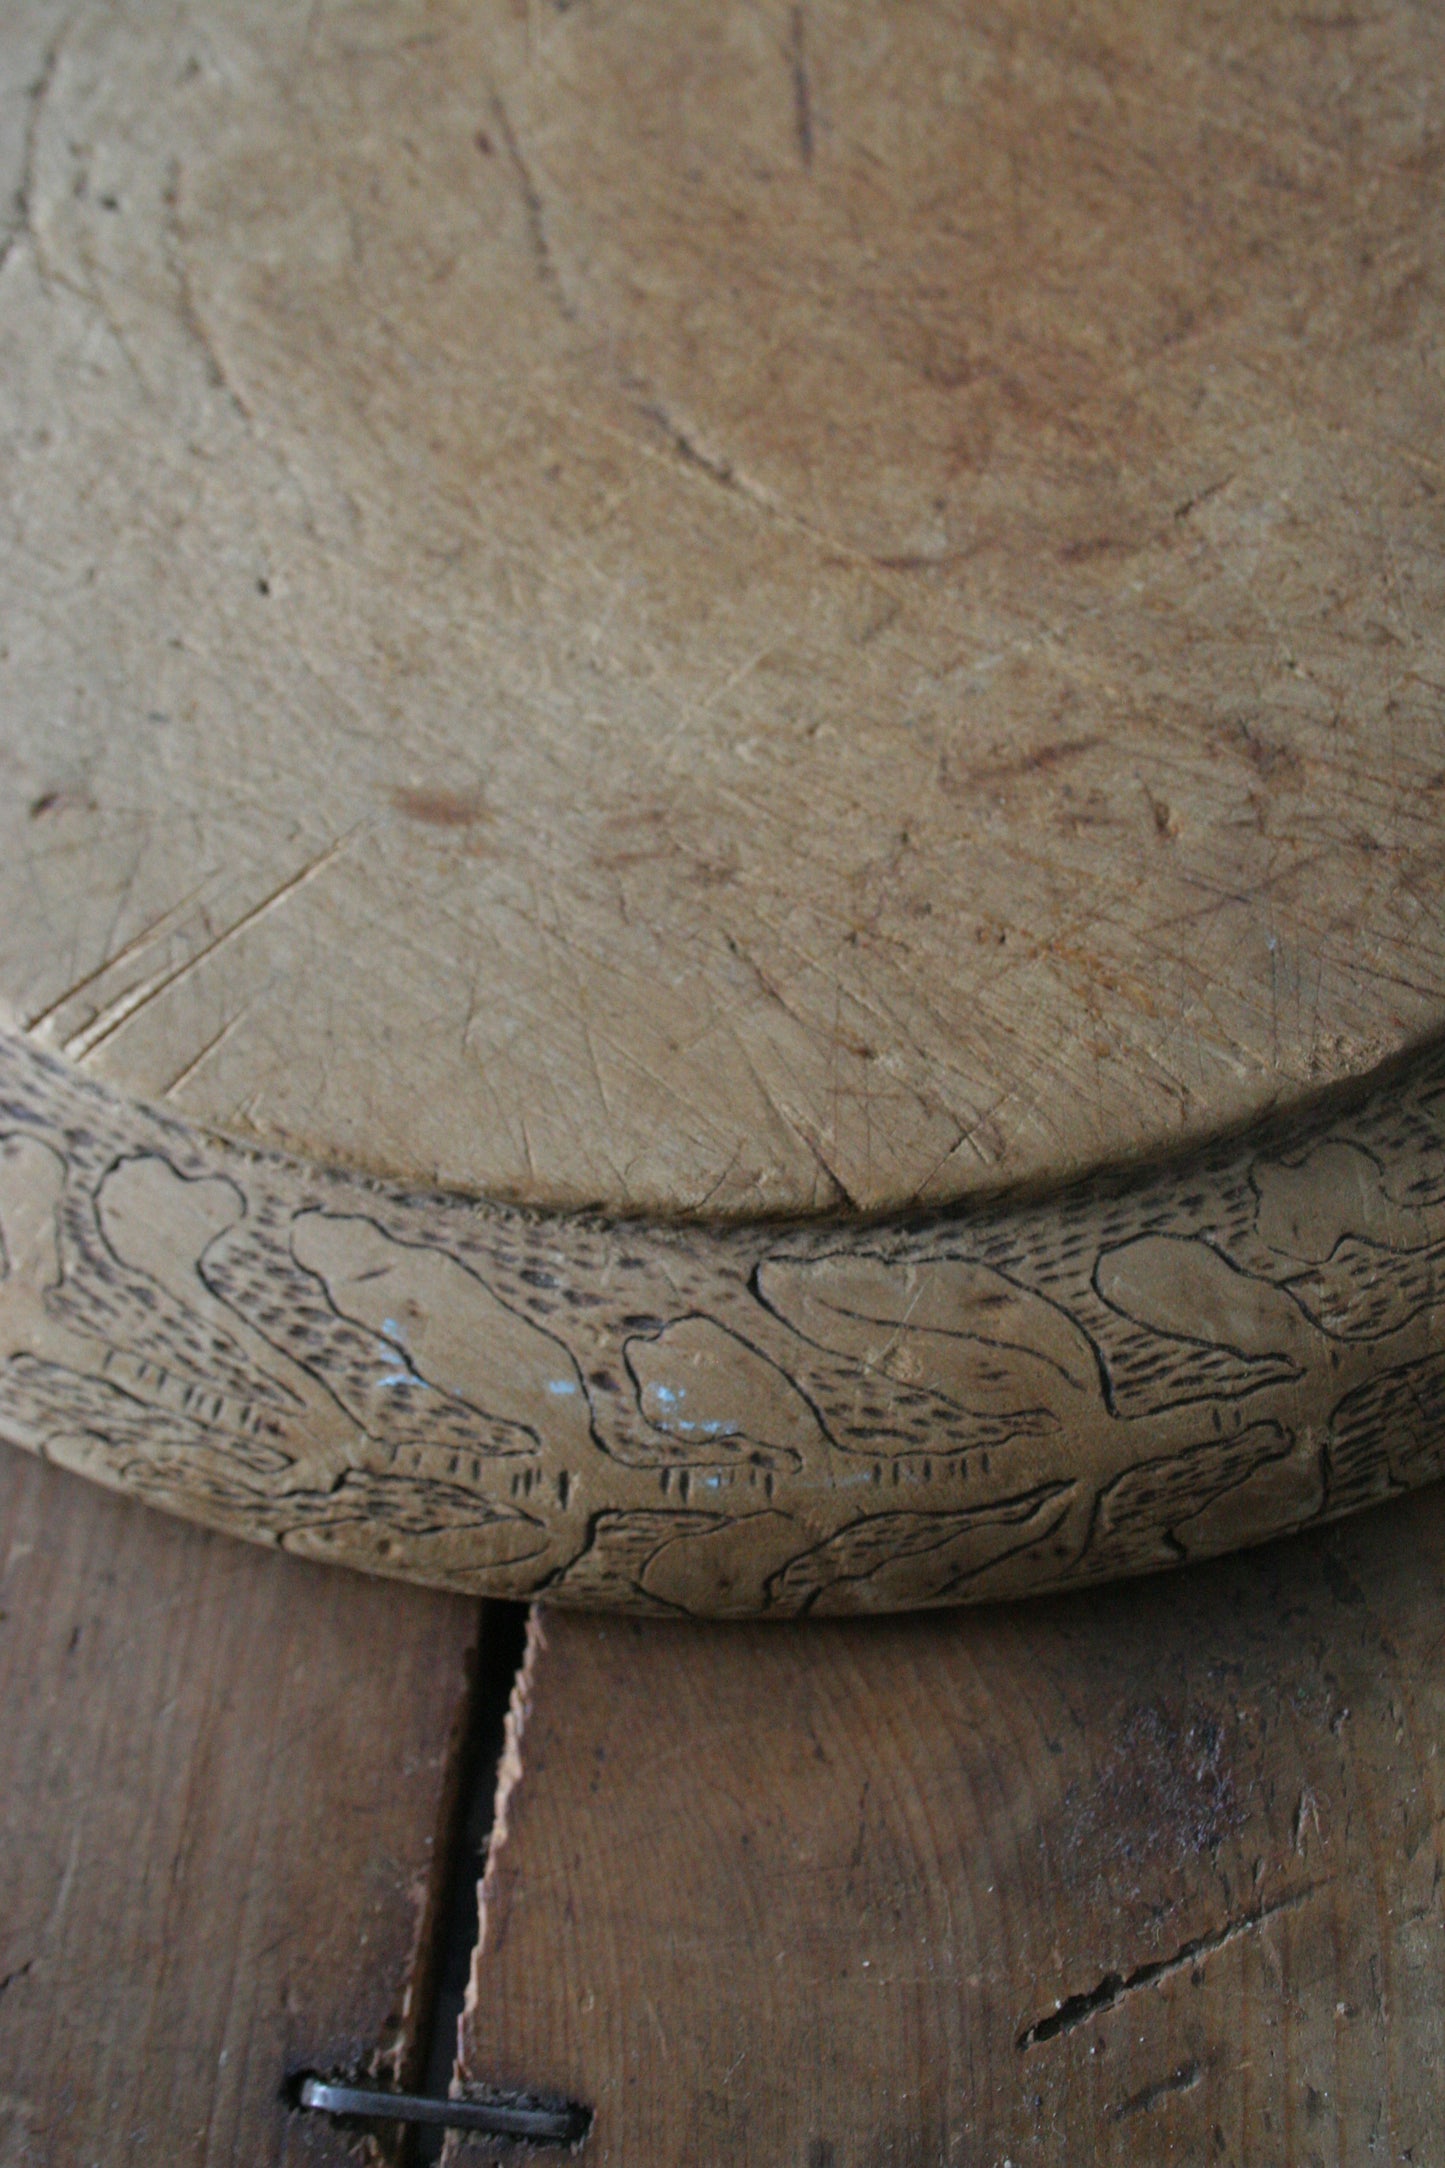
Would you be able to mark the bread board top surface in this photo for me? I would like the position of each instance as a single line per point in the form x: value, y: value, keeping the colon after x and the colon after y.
x: 746, y: 609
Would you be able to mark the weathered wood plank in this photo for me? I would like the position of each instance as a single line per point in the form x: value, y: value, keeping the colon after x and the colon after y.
x: 223, y: 1777
x: 1159, y: 1865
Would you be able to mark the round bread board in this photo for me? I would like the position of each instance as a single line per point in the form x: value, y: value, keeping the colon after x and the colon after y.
x: 720, y: 859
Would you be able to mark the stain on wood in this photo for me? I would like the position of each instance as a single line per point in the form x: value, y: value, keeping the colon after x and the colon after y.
x: 441, y: 808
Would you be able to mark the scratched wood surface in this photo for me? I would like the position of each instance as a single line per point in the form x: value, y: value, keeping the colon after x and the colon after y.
x: 866, y: 637
x: 1140, y: 1875
x: 222, y: 1781
x: 795, y: 603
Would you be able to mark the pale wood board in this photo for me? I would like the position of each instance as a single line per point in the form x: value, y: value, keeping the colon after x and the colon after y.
x: 223, y: 1782
x: 1145, y: 1875
x: 742, y: 608
x: 800, y: 603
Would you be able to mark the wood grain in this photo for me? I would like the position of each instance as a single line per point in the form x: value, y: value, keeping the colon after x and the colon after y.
x: 1153, y: 1365
x: 1139, y: 1875
x: 832, y: 603
x: 223, y: 1778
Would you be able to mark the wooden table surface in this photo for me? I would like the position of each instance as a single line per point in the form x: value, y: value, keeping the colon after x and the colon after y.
x: 1146, y: 1875
x: 224, y: 1781
x: 1160, y: 1864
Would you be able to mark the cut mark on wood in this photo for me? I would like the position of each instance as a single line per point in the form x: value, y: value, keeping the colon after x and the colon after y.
x: 21, y: 228
x: 1078, y: 2009
x: 1182, y: 2080
x: 802, y: 87
x: 533, y: 206
x: 129, y: 1004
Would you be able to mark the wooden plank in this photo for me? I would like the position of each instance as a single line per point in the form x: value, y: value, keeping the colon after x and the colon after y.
x: 1147, y: 1874
x: 223, y: 1775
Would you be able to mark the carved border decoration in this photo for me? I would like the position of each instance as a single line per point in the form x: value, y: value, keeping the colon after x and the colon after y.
x: 1025, y: 1394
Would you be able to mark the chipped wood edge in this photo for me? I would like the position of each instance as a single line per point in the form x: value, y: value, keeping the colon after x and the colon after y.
x: 1156, y: 1364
